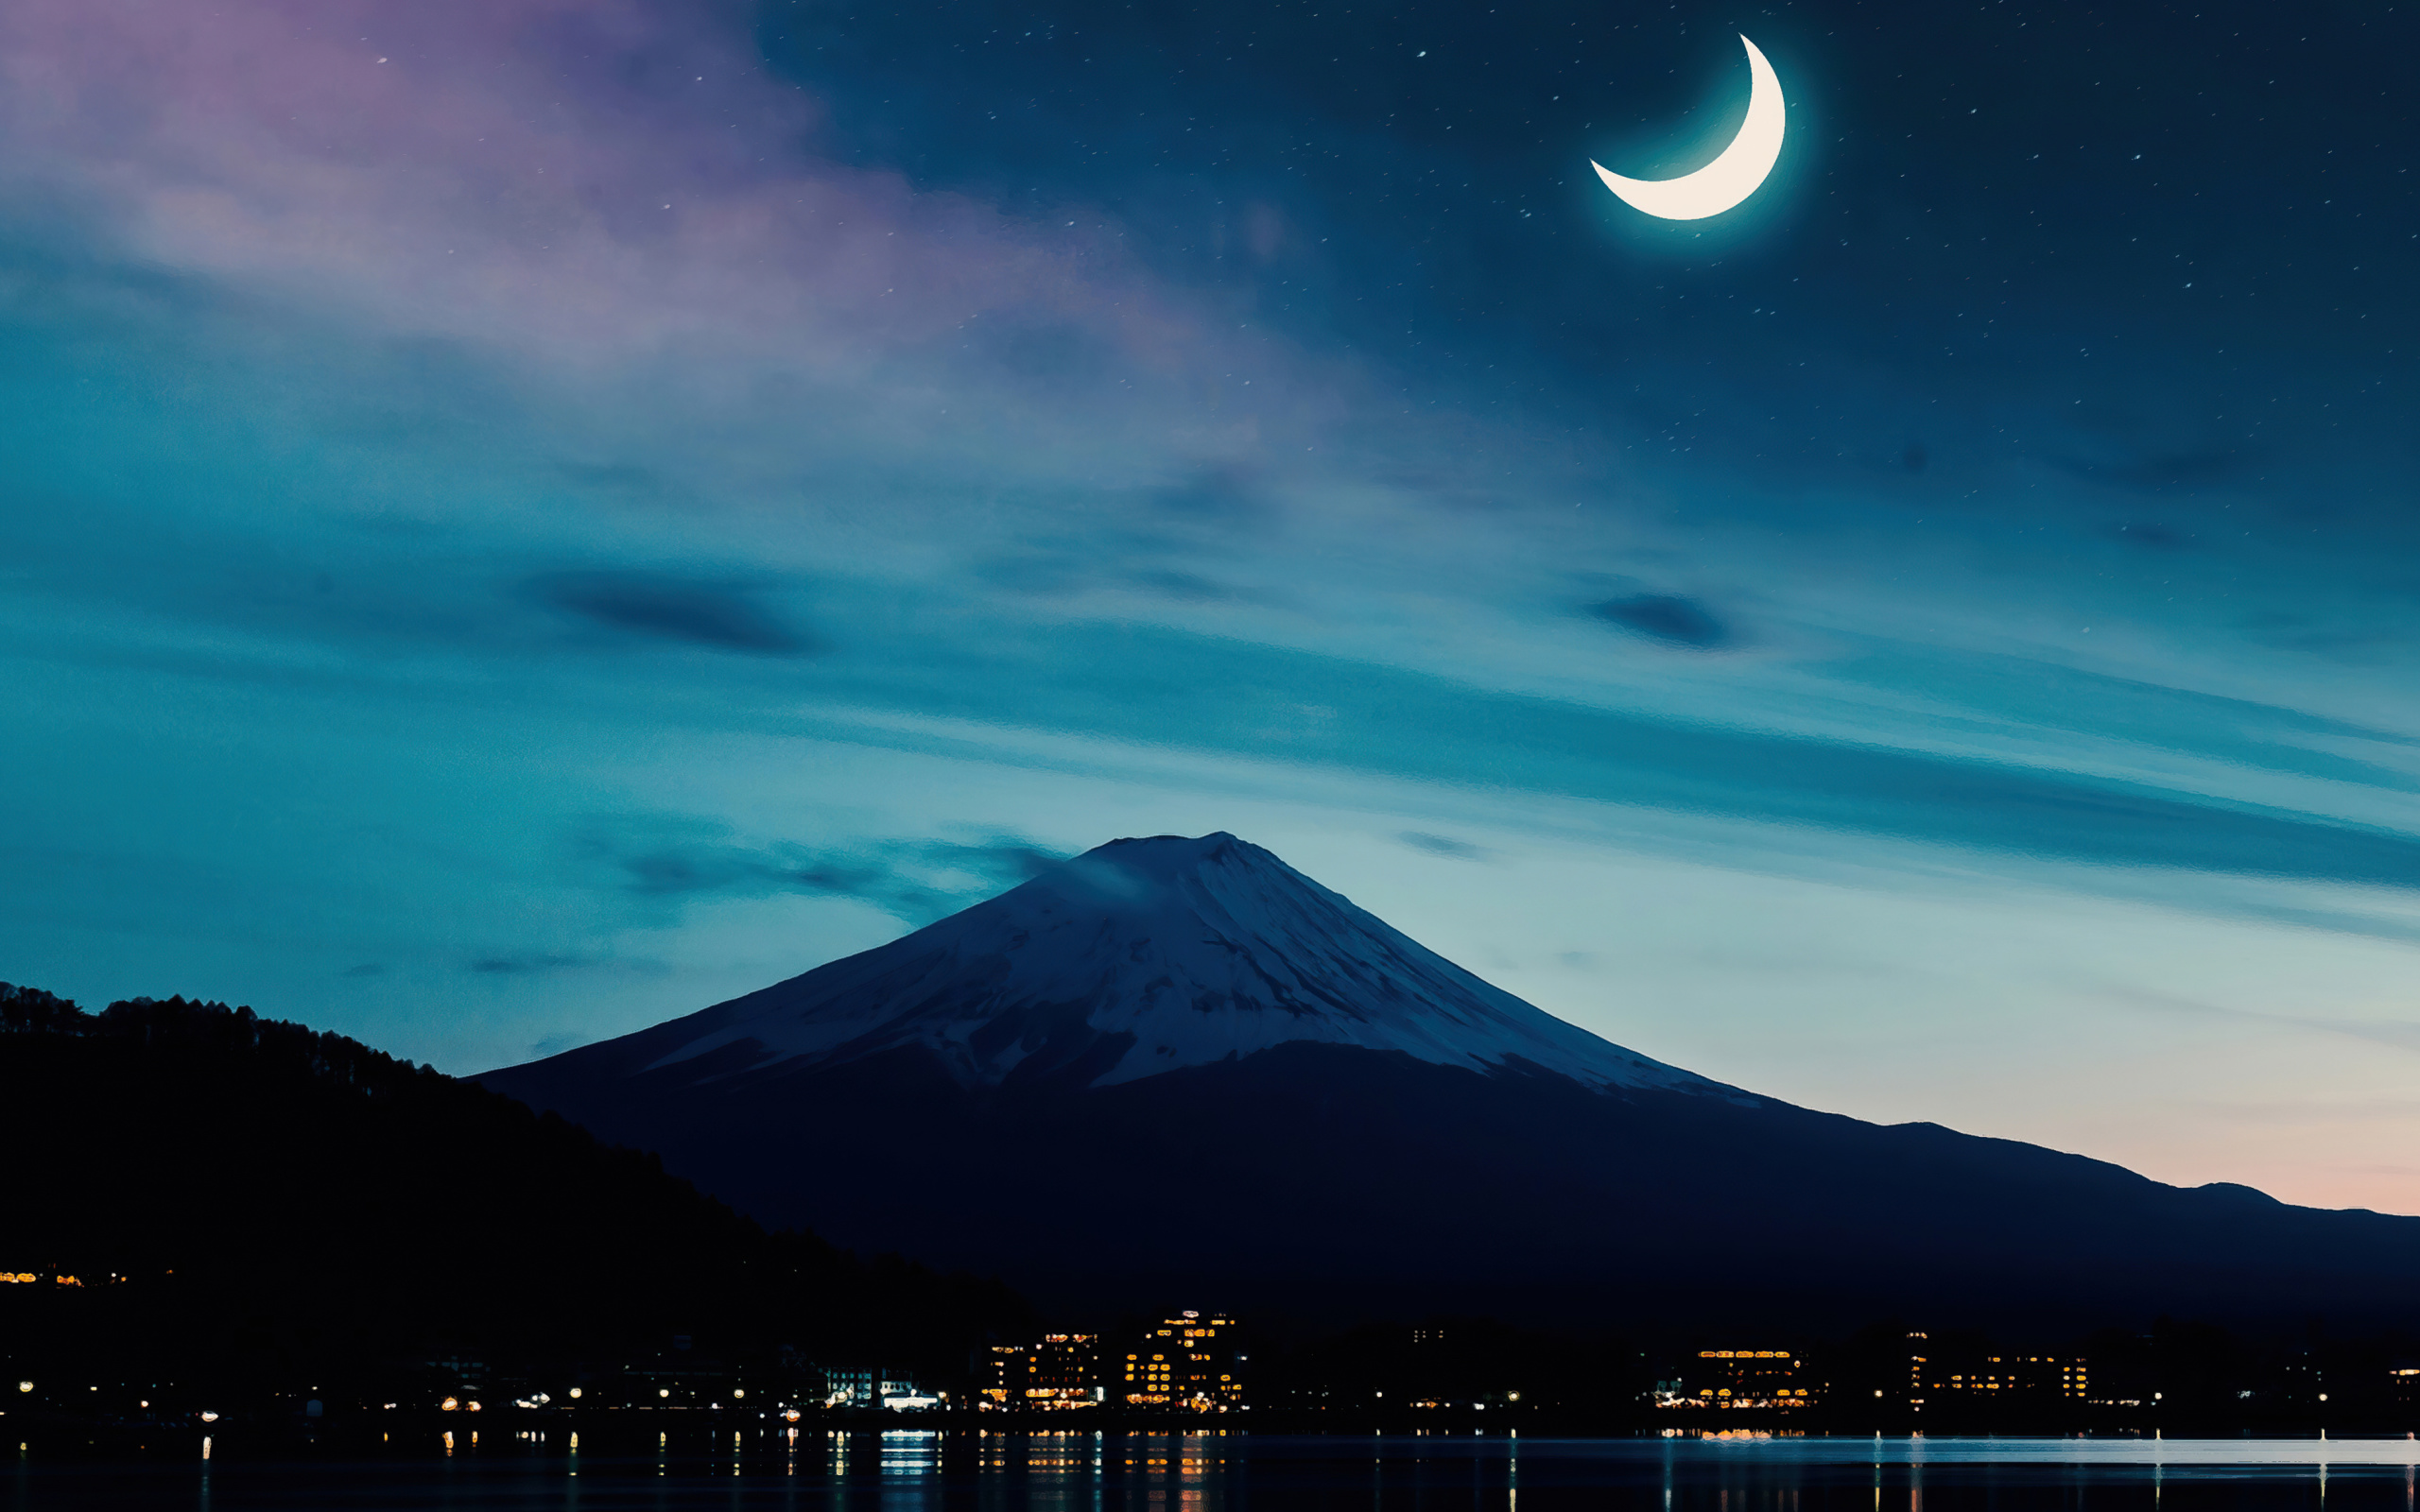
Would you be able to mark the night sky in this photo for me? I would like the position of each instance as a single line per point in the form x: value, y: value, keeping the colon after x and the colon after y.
x: 527, y: 517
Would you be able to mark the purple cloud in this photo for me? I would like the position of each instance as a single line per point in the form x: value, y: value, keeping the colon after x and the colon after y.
x: 592, y: 189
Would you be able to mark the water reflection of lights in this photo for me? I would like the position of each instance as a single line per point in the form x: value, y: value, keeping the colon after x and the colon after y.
x: 1185, y: 1465
x: 1053, y: 1469
x: 910, y: 1450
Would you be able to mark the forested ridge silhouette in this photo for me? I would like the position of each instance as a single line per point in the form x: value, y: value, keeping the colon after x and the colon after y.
x: 252, y: 1200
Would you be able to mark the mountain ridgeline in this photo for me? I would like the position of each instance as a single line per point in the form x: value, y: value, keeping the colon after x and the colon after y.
x: 248, y: 1201
x: 1178, y: 1069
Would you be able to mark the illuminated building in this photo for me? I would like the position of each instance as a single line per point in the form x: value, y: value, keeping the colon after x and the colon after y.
x: 2406, y: 1383
x: 1188, y: 1362
x: 1061, y: 1371
x: 1741, y: 1378
x: 850, y: 1388
x: 1997, y: 1377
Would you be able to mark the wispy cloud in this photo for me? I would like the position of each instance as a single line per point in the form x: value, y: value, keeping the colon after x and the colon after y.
x: 2397, y: 1035
x: 670, y: 859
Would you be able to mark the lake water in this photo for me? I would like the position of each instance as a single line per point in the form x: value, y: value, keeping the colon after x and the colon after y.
x: 967, y: 1472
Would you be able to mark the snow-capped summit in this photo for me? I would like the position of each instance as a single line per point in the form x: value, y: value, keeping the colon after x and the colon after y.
x: 1141, y: 956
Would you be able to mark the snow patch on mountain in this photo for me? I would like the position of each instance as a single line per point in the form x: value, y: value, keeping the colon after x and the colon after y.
x: 1141, y: 957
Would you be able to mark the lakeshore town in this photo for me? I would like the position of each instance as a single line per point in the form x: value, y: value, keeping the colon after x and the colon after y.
x: 1195, y: 1367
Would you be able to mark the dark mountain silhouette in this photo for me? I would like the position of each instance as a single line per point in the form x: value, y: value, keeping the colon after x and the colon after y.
x: 1177, y: 1068
x: 250, y: 1203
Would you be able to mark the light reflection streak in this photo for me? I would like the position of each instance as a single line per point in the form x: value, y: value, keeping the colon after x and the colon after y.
x: 923, y: 1470
x: 911, y: 1457
x: 2179, y: 1454
x: 929, y: 1470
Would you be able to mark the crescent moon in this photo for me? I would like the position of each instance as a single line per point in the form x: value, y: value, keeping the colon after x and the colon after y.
x: 1733, y: 175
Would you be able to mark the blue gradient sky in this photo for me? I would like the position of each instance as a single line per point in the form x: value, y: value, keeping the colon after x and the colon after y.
x: 529, y: 517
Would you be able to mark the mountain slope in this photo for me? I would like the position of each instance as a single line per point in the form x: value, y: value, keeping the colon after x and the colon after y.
x: 1175, y: 1068
x: 1136, y: 959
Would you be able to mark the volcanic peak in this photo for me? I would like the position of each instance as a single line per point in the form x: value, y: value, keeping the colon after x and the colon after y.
x: 1141, y: 956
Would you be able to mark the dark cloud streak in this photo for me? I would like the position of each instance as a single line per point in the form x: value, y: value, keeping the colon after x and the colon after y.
x: 719, y: 615
x: 1660, y: 616
x: 1439, y: 845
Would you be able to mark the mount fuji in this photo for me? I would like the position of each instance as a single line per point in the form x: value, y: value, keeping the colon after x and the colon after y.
x: 1178, y: 1068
